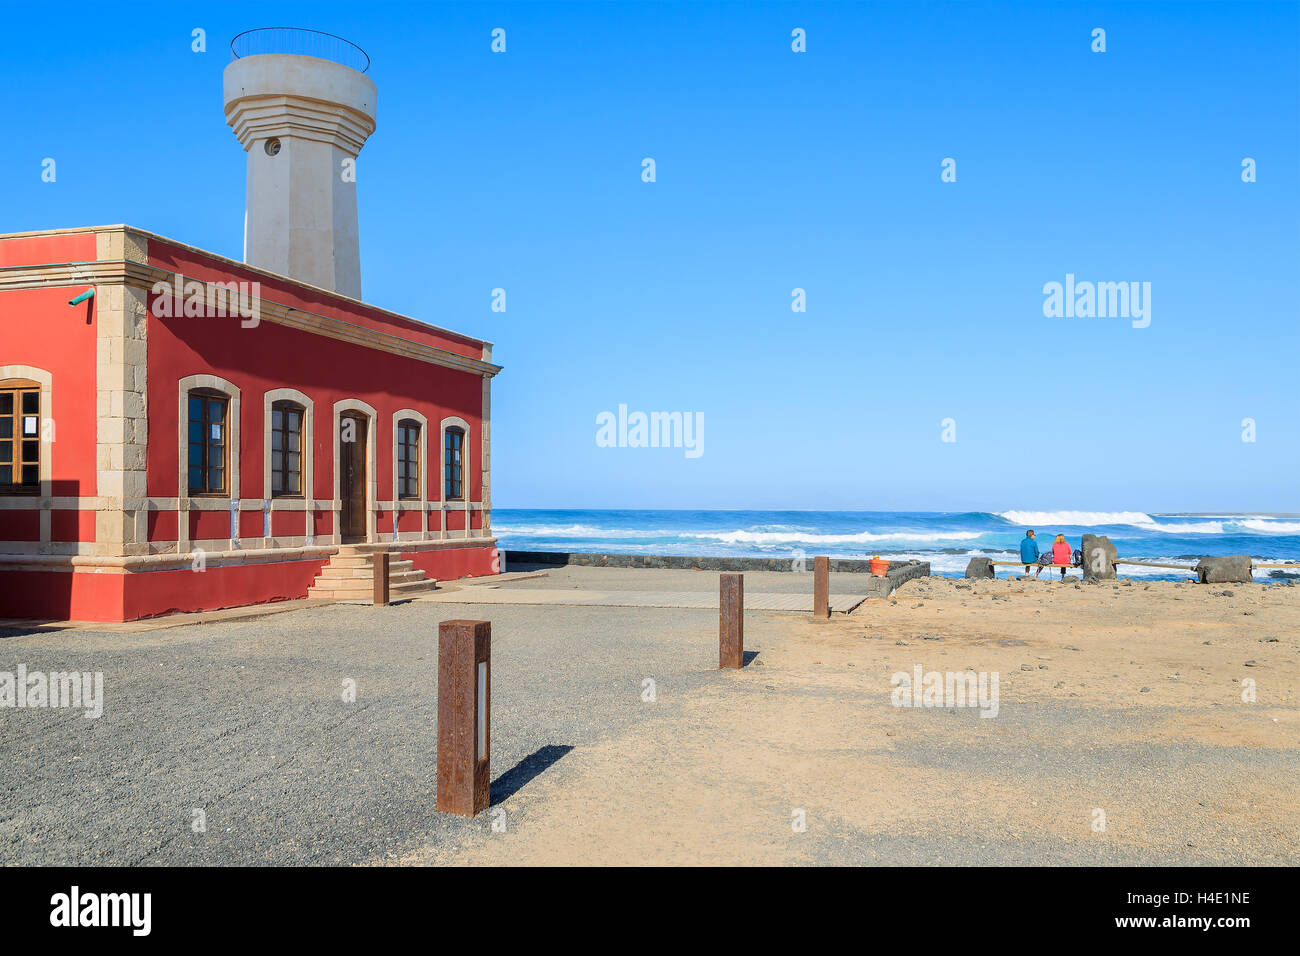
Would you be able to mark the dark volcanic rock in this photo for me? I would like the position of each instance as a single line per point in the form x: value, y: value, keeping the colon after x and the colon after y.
x: 1231, y: 569
x: 1098, y: 558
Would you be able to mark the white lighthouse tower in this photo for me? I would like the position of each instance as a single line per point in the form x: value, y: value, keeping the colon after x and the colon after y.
x: 302, y: 108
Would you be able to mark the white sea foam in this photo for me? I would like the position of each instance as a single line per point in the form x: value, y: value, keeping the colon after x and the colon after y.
x: 1092, y: 519
x: 1195, y: 527
x: 580, y: 531
x: 1270, y: 527
x: 800, y: 537
x: 1080, y: 519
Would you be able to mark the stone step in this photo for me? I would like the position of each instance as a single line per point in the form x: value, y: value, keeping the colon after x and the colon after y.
x: 368, y: 570
x: 363, y: 561
x: 402, y: 577
x: 349, y: 575
x: 415, y: 584
x: 363, y: 582
x: 366, y: 595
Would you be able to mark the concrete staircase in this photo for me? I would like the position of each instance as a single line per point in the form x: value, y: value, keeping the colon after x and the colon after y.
x: 350, y: 576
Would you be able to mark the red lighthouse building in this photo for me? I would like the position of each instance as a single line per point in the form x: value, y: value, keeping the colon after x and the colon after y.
x: 180, y: 431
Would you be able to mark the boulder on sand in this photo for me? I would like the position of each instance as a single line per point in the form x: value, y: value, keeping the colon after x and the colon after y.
x: 1229, y: 569
x: 1098, y: 557
x: 980, y: 568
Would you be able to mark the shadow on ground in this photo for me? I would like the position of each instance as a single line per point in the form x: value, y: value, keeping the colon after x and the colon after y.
x: 521, y: 774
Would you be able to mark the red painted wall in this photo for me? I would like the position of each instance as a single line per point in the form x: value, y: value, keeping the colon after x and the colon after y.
x: 288, y: 523
x: 107, y: 596
x: 20, y: 525
x: 205, y: 525
x: 327, y: 370
x: 151, y: 593
x: 71, y: 525
x: 448, y: 564
x: 195, y: 265
x: 45, y: 250
x: 38, y: 328
x: 62, y: 595
x: 163, y: 525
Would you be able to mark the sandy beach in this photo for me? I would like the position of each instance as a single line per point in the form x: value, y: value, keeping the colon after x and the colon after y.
x: 1124, y: 697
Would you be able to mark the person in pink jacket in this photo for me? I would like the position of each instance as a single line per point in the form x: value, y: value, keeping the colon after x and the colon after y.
x: 1061, y: 554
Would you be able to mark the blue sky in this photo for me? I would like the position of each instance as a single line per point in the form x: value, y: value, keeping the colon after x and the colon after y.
x: 775, y: 170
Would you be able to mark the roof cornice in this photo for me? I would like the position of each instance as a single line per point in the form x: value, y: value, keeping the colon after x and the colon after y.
x: 129, y: 272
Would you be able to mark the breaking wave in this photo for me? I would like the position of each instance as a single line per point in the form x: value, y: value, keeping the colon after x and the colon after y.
x: 860, y: 537
x: 1077, y: 519
x: 1266, y: 526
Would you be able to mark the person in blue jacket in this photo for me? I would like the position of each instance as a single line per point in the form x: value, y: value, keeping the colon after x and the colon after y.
x: 1029, y: 553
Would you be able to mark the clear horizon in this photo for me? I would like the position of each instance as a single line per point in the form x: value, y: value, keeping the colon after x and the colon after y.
x: 775, y: 171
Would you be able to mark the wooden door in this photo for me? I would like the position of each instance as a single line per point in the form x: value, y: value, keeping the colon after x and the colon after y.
x: 352, y: 476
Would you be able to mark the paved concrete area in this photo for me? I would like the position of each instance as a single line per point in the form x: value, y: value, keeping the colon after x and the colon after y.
x: 760, y: 601
x: 584, y: 586
x: 667, y: 579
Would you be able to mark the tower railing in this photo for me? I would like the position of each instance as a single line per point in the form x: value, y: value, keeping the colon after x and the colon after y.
x: 300, y: 42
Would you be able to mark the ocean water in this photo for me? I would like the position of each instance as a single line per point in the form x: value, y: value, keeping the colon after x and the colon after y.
x: 948, y: 540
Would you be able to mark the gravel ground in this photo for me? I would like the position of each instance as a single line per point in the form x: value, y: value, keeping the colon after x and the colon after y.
x: 245, y: 720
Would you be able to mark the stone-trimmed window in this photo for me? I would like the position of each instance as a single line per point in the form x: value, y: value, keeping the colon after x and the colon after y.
x: 275, y: 452
x: 453, y: 463
x: 287, y: 428
x: 208, y: 443
x: 190, y: 479
x: 408, y: 459
x: 20, y: 437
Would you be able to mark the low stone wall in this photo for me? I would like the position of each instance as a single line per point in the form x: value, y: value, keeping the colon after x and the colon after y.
x: 685, y: 562
x: 899, y: 571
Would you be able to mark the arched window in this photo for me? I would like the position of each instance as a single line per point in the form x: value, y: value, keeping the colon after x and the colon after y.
x: 20, y: 437
x: 286, y: 449
x: 208, y: 441
x: 408, y: 459
x: 453, y: 458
